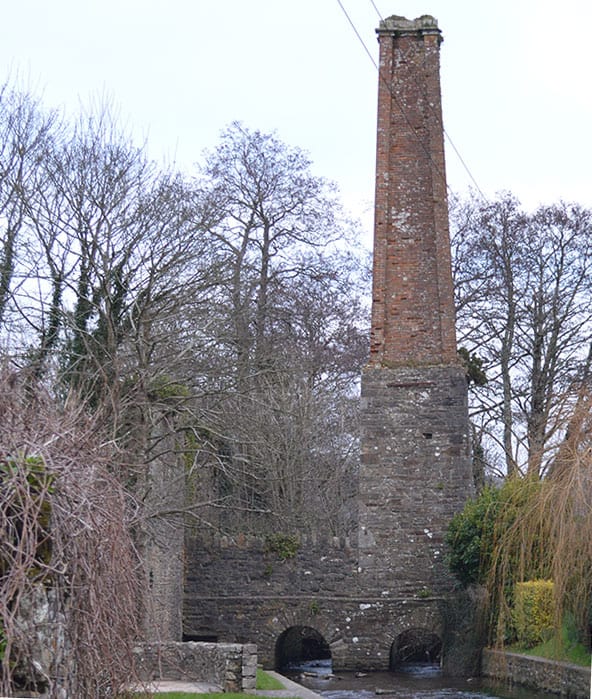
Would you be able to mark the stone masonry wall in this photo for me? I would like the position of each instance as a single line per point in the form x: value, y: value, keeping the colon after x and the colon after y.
x: 415, y: 474
x: 245, y: 593
x: 230, y: 666
x: 563, y: 679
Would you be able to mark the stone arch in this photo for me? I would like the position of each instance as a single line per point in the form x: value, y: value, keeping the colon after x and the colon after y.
x: 415, y: 645
x: 299, y: 643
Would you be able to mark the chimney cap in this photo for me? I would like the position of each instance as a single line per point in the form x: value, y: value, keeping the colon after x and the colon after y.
x: 426, y: 24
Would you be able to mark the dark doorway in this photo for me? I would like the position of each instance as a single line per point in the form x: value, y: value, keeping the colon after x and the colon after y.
x: 415, y: 646
x: 300, y: 644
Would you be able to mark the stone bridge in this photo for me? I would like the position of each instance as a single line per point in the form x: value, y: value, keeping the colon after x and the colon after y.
x: 316, y: 604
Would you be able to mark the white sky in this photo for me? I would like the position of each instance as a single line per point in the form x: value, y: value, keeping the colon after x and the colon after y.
x: 516, y: 80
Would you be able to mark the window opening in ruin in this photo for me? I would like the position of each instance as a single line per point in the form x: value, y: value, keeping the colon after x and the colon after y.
x: 302, y: 649
x: 415, y: 646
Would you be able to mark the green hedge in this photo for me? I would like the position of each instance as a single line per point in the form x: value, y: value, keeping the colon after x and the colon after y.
x: 533, y: 612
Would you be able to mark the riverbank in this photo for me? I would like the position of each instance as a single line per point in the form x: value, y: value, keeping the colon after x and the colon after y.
x: 291, y: 689
x: 421, y: 682
x: 564, y: 679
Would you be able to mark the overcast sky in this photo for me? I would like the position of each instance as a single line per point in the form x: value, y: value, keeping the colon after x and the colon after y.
x: 516, y: 80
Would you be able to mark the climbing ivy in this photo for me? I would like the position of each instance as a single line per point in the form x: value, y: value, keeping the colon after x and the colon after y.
x: 25, y: 489
x: 473, y: 366
x: 285, y: 546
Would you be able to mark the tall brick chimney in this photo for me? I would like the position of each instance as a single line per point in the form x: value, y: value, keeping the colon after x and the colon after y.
x: 415, y: 470
x: 412, y: 303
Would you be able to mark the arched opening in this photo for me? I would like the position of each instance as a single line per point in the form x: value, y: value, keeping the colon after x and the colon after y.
x: 299, y: 646
x: 415, y: 646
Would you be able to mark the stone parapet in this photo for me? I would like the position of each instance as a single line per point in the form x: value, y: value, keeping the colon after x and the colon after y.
x: 262, y: 543
x: 230, y: 666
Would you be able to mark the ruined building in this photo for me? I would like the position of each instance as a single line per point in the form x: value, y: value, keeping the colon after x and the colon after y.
x: 363, y: 599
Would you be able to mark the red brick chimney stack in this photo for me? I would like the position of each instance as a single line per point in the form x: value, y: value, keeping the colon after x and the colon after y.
x: 413, y: 304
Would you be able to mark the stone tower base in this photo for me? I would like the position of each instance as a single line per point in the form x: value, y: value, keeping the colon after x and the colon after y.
x: 415, y: 474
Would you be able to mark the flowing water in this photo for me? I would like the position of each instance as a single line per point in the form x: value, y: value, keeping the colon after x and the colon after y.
x: 414, y: 681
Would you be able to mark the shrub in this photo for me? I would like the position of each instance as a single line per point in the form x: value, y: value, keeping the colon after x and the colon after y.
x: 470, y: 537
x: 474, y: 534
x: 533, y: 612
x: 285, y: 546
x: 70, y: 579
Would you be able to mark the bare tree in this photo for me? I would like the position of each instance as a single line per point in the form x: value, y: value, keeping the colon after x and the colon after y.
x: 524, y: 306
x: 290, y: 329
x: 210, y: 329
x: 110, y: 257
x: 25, y: 131
x: 269, y: 210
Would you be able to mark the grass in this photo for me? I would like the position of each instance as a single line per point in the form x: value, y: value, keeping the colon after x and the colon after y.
x: 554, y: 650
x: 565, y: 649
x: 266, y: 681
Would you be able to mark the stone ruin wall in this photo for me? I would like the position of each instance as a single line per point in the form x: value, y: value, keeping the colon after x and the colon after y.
x: 247, y: 593
x: 230, y: 667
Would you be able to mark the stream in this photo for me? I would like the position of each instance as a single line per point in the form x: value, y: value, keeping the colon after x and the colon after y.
x: 413, y: 681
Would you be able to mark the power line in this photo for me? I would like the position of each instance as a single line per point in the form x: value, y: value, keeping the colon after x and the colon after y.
x: 395, y: 97
x: 353, y: 26
x: 377, y: 10
x: 465, y: 166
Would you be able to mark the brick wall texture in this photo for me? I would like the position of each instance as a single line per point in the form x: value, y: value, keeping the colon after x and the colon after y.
x: 412, y: 302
